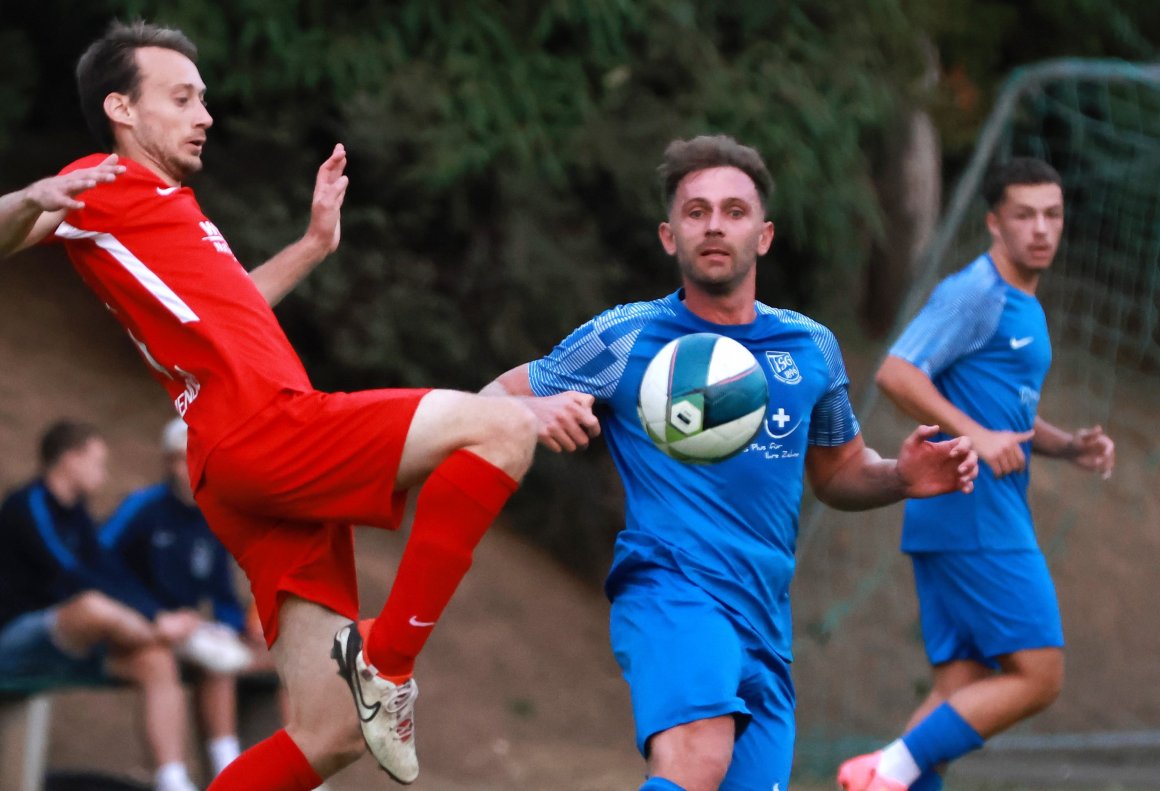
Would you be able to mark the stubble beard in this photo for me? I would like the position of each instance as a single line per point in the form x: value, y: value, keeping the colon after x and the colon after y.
x: 714, y: 286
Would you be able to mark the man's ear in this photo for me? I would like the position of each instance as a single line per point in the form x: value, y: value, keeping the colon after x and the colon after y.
x: 118, y: 108
x: 766, y: 238
x: 665, y: 232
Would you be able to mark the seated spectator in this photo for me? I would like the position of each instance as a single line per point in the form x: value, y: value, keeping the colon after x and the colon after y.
x: 160, y: 534
x: 69, y: 612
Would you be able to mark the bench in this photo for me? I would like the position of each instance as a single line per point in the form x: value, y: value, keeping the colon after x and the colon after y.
x: 26, y: 720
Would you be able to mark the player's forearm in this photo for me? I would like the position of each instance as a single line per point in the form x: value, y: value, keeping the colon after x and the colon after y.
x: 17, y: 218
x: 873, y: 485
x: 913, y: 392
x: 277, y: 277
x: 864, y: 480
x: 1050, y: 440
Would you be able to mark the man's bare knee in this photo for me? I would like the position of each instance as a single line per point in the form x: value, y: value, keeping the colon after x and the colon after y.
x: 695, y: 756
x: 92, y: 606
x: 151, y: 665
x: 1041, y: 672
x: 92, y: 617
x: 510, y: 441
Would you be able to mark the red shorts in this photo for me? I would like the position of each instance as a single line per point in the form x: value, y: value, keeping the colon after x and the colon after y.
x: 283, y: 491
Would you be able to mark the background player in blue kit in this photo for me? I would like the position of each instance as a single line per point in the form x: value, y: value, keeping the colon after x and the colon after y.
x: 163, y: 539
x: 973, y: 360
x: 69, y: 610
x: 700, y: 580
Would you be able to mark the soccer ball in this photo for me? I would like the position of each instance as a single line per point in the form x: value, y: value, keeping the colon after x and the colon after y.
x: 703, y: 398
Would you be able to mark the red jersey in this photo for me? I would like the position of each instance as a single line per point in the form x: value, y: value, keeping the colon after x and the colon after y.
x: 170, y: 278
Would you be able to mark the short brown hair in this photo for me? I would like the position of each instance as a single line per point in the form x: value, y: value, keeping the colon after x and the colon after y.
x: 683, y: 157
x: 1022, y: 171
x: 63, y: 436
x: 109, y: 65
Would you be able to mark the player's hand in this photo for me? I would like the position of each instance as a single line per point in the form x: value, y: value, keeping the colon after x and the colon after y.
x: 326, y: 207
x: 1094, y: 450
x: 1002, y: 450
x: 932, y: 468
x: 566, y: 421
x: 57, y: 193
x: 175, y: 626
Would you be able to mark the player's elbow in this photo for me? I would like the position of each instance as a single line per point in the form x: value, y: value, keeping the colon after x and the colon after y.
x: 895, y: 377
x: 886, y: 378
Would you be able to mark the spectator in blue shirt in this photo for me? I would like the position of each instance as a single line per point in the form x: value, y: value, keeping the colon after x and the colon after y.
x: 69, y: 613
x: 161, y: 535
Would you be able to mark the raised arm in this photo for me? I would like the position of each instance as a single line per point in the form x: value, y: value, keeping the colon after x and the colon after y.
x: 914, y: 393
x: 853, y: 477
x: 566, y: 421
x: 277, y: 277
x: 30, y: 214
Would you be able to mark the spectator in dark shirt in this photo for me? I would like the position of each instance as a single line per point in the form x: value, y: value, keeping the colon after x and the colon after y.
x: 69, y: 611
x: 161, y: 535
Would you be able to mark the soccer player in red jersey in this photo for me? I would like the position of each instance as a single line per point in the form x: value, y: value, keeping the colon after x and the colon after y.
x: 280, y: 470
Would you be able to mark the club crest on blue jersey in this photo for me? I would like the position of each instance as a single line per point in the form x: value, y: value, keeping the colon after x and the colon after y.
x: 784, y: 368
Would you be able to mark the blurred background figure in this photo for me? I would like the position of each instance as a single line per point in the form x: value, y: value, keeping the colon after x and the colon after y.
x: 69, y: 613
x: 160, y: 534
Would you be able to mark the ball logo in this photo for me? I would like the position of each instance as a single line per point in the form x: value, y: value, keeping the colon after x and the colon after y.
x: 687, y: 415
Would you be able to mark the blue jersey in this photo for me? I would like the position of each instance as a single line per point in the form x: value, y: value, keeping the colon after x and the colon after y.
x: 729, y: 527
x: 985, y: 346
x: 169, y: 546
x: 51, y: 553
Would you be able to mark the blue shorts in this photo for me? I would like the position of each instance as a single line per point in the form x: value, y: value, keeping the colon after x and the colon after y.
x: 686, y: 657
x: 982, y: 605
x: 27, y: 650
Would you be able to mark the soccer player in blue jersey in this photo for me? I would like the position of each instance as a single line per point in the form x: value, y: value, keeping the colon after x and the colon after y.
x: 699, y: 584
x: 973, y: 360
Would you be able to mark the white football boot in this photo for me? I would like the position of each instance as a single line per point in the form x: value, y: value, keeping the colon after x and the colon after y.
x: 386, y: 711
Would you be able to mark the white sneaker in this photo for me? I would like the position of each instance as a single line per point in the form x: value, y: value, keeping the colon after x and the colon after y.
x: 386, y: 711
x: 216, y: 648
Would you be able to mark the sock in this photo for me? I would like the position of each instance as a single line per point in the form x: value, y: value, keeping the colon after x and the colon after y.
x: 173, y: 776
x: 943, y: 736
x: 222, y: 752
x: 660, y: 784
x: 930, y: 780
x: 458, y: 502
x: 275, y: 764
x: 896, y: 763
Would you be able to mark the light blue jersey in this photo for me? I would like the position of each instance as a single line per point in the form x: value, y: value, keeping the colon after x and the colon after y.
x: 729, y: 527
x: 985, y: 346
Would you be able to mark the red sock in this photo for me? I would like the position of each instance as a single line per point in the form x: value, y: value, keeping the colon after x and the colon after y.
x: 458, y: 502
x: 275, y: 764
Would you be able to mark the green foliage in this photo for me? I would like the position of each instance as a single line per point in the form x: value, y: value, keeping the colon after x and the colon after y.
x: 502, y: 154
x: 19, y: 81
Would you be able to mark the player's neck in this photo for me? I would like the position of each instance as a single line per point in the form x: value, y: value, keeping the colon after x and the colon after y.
x: 62, y: 488
x: 734, y: 308
x: 1018, y: 277
x: 136, y: 154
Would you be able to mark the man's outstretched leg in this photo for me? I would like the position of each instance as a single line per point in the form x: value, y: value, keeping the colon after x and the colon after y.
x: 472, y: 452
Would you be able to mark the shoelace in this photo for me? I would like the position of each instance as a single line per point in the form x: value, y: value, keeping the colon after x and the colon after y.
x: 402, y: 706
